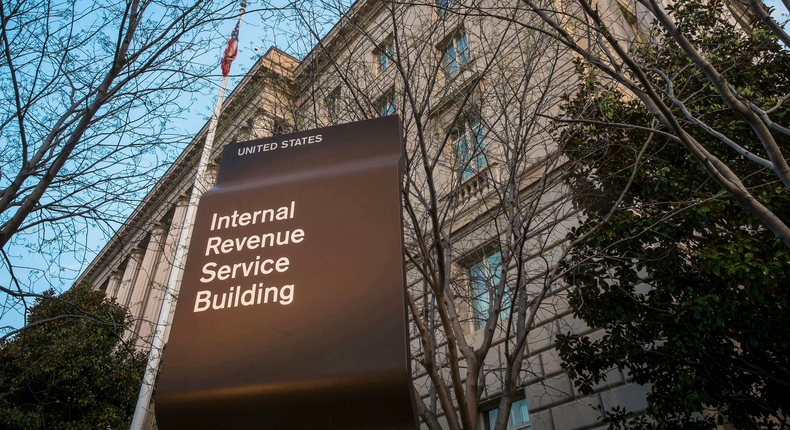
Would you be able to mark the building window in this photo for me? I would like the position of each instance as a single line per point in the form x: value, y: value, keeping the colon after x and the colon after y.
x: 469, y: 146
x: 384, y: 54
x: 280, y: 126
x: 484, y: 277
x: 245, y: 132
x: 443, y: 5
x: 519, y: 416
x: 386, y: 104
x: 330, y: 105
x: 455, y: 53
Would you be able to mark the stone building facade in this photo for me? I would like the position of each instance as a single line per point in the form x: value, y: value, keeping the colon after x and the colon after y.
x: 484, y: 185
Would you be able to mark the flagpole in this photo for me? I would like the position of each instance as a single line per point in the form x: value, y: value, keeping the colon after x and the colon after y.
x: 174, y: 280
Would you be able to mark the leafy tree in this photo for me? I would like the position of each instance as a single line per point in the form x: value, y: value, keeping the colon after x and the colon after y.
x: 602, y: 35
x: 691, y: 289
x: 68, y: 372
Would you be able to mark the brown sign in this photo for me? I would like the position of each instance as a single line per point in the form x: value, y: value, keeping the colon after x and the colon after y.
x: 292, y: 310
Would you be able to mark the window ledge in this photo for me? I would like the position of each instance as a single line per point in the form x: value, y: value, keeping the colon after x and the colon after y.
x: 384, y: 75
x: 467, y: 78
x: 463, y: 76
x: 475, y: 185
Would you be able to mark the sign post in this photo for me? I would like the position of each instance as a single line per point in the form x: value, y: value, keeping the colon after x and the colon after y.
x: 292, y: 311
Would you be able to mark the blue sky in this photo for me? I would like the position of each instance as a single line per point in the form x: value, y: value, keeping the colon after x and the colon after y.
x: 254, y: 32
x: 39, y: 271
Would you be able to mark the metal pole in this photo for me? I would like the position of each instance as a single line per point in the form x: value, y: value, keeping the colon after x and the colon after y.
x: 173, y: 282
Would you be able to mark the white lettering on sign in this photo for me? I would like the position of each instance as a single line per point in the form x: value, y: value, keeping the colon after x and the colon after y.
x: 218, y: 245
x: 206, y: 300
x: 254, y: 268
x: 250, y: 218
x: 271, y: 146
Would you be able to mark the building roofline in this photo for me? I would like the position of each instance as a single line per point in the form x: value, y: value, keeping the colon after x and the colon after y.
x: 317, y: 52
x: 174, y: 176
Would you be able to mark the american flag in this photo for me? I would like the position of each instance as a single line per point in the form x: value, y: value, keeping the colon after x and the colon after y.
x: 231, y: 50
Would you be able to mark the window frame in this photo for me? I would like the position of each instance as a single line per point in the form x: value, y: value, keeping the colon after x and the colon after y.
x: 468, y: 145
x: 384, y: 54
x: 330, y: 105
x: 455, y: 52
x: 443, y: 5
x: 524, y: 424
x: 387, y: 104
x: 481, y: 286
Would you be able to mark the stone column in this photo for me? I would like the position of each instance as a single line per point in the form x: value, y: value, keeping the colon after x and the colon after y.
x: 176, y: 287
x: 212, y: 170
x: 144, y: 278
x: 159, y: 285
x: 129, y: 275
x: 116, y: 276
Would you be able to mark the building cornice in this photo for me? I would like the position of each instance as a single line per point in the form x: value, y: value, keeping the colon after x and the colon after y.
x: 179, y: 176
